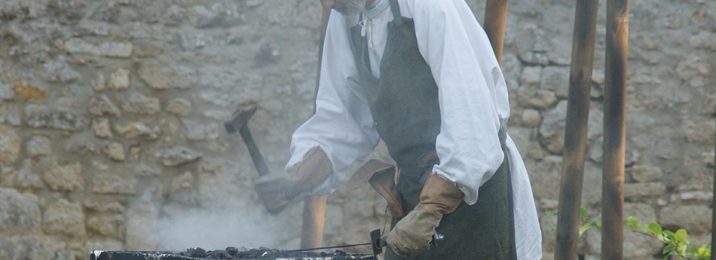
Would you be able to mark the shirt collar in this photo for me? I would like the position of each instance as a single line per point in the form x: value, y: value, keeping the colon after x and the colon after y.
x: 378, y: 8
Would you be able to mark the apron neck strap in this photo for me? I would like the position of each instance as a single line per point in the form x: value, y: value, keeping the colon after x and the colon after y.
x: 395, y: 8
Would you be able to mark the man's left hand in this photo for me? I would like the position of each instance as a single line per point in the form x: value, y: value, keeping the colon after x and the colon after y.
x: 413, y: 233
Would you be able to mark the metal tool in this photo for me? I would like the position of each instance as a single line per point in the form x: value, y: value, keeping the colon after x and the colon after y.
x: 377, y: 242
x: 239, y: 122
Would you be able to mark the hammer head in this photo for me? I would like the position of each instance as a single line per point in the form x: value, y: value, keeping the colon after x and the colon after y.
x: 240, y: 117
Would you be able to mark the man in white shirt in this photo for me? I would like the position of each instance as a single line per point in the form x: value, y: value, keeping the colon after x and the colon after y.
x: 421, y: 75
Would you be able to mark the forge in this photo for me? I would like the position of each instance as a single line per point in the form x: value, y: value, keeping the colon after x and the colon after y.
x: 232, y: 253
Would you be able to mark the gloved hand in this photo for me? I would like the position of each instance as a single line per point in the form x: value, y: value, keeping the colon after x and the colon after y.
x: 276, y: 191
x: 413, y: 233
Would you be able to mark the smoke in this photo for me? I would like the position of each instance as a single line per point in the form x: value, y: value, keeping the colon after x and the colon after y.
x: 218, y: 229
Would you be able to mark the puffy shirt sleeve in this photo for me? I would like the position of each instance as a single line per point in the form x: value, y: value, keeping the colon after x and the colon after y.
x: 342, y: 125
x: 468, y: 76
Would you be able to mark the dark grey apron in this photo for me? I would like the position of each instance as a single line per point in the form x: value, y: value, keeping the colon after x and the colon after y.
x: 404, y: 106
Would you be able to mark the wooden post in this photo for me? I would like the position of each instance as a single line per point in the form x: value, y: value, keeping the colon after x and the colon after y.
x: 314, y: 212
x: 314, y: 208
x: 713, y: 206
x: 575, y: 136
x: 614, y: 129
x: 495, y: 23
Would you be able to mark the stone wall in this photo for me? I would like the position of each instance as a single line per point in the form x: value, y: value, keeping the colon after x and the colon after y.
x: 111, y: 112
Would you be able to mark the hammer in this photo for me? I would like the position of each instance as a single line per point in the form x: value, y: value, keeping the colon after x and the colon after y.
x: 239, y: 122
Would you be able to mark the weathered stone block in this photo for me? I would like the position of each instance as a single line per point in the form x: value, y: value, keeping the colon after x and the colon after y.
x: 179, y: 106
x: 133, y: 130
x: 546, y: 186
x: 632, y: 190
x: 531, y: 118
x: 103, y: 105
x: 99, y: 83
x: 102, y: 128
x: 164, y: 76
x: 147, y: 170
x: 140, y: 104
x: 696, y: 219
x: 531, y: 75
x: 66, y: 218
x: 115, y: 151
x: 30, y: 246
x: 47, y: 117
x: 218, y: 14
x: 114, y: 184
x: 644, y: 173
x: 103, y: 206
x: 18, y: 212
x: 107, y: 225
x: 38, y: 146
x: 177, y: 155
x: 697, y: 196
x: 109, y: 49
x: 534, y: 58
x: 5, y: 92
x: 28, y: 92
x: 10, y: 144
x: 64, y: 177
x: 556, y: 79
x: 59, y: 70
x: 694, y: 69
x: 200, y: 130
x: 28, y: 177
x: 703, y: 40
x: 119, y: 79
x: 536, y: 98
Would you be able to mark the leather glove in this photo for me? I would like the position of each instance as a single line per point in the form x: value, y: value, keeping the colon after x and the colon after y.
x: 276, y: 191
x: 414, y: 232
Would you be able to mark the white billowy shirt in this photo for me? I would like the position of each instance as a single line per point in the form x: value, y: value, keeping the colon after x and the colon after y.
x: 472, y: 96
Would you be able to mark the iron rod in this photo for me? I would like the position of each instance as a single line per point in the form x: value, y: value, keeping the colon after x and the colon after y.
x: 575, y: 136
x: 614, y: 129
x: 495, y: 23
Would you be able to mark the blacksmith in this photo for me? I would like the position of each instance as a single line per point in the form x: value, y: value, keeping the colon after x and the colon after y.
x: 420, y: 75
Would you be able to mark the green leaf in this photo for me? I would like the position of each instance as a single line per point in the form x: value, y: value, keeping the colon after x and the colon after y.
x: 584, y: 228
x: 681, y: 236
x: 632, y: 223
x: 654, y: 228
x: 583, y: 214
x: 668, y: 250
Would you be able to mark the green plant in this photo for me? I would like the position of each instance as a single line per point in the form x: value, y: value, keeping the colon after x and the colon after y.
x: 676, y: 244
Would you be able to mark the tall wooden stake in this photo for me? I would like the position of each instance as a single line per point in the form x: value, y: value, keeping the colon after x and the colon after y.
x: 713, y: 206
x: 495, y: 23
x: 614, y: 129
x: 314, y: 208
x: 575, y: 136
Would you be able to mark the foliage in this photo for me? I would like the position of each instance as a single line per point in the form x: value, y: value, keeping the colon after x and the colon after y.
x: 676, y: 244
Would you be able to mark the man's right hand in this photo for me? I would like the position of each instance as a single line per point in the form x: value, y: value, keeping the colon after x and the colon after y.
x: 276, y: 191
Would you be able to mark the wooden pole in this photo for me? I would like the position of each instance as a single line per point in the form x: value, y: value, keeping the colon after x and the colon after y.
x: 575, y: 136
x: 495, y: 23
x: 614, y: 129
x: 314, y: 208
x: 713, y: 206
